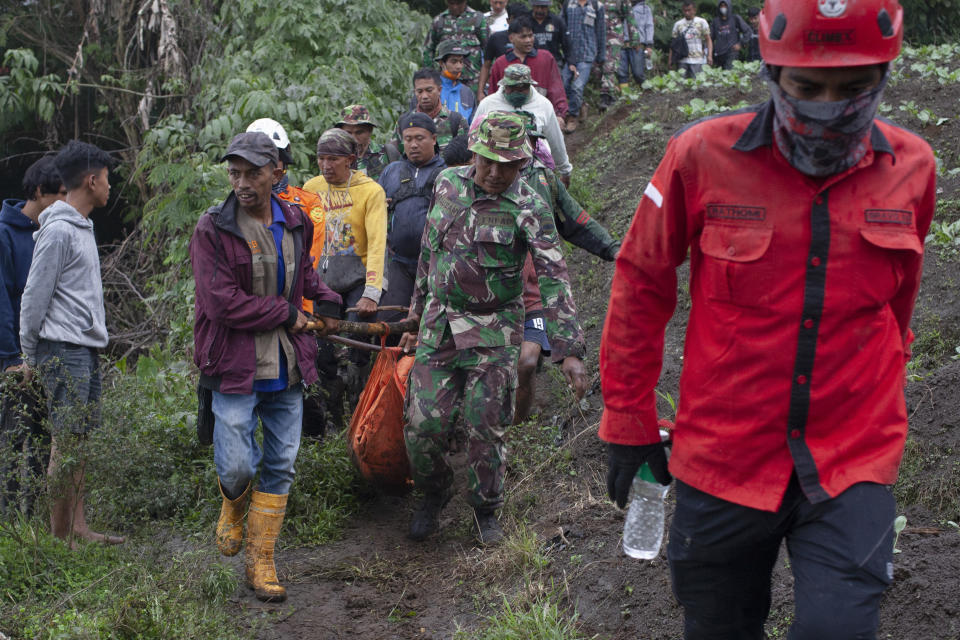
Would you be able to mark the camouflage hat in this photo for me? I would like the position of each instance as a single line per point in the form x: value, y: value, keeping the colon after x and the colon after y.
x: 355, y: 114
x: 450, y: 48
x: 530, y: 122
x: 501, y: 137
x: 517, y: 74
x: 336, y: 142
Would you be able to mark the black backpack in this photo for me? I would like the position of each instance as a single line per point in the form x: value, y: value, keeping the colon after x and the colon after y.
x: 679, y: 47
x: 408, y: 186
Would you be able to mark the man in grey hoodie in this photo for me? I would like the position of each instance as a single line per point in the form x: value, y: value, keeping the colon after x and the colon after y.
x: 63, y: 328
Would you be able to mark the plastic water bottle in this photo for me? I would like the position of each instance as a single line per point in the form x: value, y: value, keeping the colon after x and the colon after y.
x: 649, y: 61
x: 643, y: 528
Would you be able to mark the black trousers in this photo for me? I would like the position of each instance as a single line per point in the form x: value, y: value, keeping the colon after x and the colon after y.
x: 841, y: 552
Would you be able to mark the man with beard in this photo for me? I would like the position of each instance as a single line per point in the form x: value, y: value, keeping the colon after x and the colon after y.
x: 805, y: 262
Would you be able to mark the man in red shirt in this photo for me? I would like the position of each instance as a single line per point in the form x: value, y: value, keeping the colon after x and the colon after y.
x: 805, y: 261
x: 543, y: 66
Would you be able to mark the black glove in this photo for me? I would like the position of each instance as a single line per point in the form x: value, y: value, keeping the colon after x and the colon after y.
x: 623, y: 461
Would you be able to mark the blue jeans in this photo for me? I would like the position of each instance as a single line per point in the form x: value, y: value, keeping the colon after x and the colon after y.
x: 70, y: 375
x: 632, y: 61
x: 574, y: 86
x: 235, y: 450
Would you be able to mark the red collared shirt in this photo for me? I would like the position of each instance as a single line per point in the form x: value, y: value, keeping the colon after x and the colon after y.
x: 802, y: 291
x: 543, y: 70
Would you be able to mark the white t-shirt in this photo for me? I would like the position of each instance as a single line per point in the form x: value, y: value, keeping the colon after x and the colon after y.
x: 696, y: 32
x: 496, y: 24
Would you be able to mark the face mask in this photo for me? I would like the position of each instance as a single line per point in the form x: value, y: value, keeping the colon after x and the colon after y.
x: 823, y: 138
x: 516, y: 100
x: 723, y: 12
x: 450, y: 76
x: 282, y: 185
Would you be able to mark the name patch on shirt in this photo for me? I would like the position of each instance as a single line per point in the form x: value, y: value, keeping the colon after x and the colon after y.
x: 888, y: 216
x: 736, y: 212
x: 494, y: 220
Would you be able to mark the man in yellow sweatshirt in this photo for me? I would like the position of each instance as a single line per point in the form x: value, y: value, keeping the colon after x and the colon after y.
x: 350, y: 258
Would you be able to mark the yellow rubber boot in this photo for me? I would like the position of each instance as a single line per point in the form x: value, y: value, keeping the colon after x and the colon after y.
x: 263, y: 527
x: 230, y: 523
x: 624, y: 86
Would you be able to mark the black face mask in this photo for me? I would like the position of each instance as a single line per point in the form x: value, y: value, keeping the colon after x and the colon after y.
x: 824, y: 138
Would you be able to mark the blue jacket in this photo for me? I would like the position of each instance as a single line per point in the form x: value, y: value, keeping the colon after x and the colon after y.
x: 409, y: 190
x: 16, y: 252
x: 458, y: 97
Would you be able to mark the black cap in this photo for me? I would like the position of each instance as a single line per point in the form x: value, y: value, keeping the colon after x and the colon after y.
x: 417, y: 119
x: 253, y: 146
x: 540, y: 3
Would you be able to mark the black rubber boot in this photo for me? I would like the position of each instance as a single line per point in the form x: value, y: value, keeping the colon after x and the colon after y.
x: 426, y: 519
x: 488, y: 527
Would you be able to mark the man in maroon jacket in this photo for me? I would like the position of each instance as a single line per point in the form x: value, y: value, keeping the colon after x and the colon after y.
x: 543, y: 66
x: 252, y: 268
x: 805, y: 261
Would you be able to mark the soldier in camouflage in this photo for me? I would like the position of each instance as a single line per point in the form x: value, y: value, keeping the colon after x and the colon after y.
x: 427, y: 90
x: 467, y: 26
x: 575, y: 226
x: 621, y: 33
x: 372, y: 158
x: 483, y: 223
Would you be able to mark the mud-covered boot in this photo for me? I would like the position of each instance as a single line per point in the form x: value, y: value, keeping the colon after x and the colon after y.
x: 426, y: 519
x: 230, y: 523
x: 263, y: 527
x: 489, y: 530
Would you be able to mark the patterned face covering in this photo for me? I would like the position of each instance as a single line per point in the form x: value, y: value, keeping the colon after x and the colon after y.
x: 823, y: 138
x: 282, y: 185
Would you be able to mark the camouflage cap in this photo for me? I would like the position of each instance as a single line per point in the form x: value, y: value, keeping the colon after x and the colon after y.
x: 450, y: 48
x: 530, y: 122
x: 336, y: 142
x: 501, y: 137
x: 517, y: 74
x: 355, y: 114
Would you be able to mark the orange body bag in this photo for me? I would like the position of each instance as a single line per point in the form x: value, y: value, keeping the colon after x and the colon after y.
x: 375, y: 438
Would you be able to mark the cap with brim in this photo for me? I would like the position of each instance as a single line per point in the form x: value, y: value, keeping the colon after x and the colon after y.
x: 540, y: 3
x: 417, y: 119
x: 501, y: 137
x: 450, y: 48
x: 515, y: 75
x: 253, y: 146
x: 355, y: 114
x: 336, y: 142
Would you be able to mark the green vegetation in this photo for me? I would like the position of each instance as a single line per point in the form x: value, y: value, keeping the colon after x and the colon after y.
x: 540, y: 620
x: 52, y: 593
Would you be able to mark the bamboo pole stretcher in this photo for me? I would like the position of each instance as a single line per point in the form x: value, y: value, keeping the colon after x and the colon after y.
x: 370, y: 328
x: 389, y: 307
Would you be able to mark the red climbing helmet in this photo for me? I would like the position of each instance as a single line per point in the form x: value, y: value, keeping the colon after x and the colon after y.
x: 830, y: 33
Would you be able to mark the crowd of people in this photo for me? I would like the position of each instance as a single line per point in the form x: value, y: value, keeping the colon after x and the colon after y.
x: 458, y: 219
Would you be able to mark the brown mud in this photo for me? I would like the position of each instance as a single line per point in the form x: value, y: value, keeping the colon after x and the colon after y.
x: 565, y: 535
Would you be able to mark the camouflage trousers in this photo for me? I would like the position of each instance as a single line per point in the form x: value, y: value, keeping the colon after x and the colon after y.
x: 609, y: 84
x: 484, y: 381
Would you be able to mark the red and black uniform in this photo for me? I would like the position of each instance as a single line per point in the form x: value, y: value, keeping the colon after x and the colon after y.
x: 802, y: 291
x: 791, y: 416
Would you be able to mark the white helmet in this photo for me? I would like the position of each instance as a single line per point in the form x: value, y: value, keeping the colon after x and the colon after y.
x: 273, y: 129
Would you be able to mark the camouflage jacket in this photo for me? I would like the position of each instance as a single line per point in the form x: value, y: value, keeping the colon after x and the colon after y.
x: 621, y: 30
x: 470, y: 275
x: 374, y: 161
x: 573, y: 222
x: 449, y: 124
x: 470, y: 28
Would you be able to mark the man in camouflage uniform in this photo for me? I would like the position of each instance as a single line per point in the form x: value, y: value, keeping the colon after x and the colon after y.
x: 479, y: 231
x: 621, y: 32
x: 372, y: 158
x: 467, y: 26
x: 427, y: 90
x: 576, y: 227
